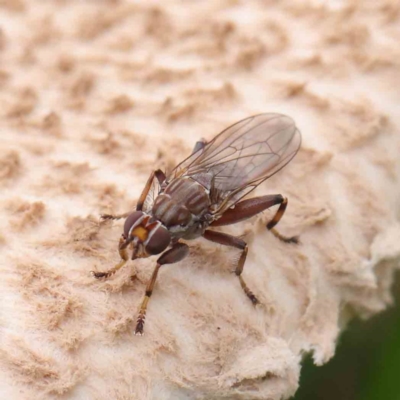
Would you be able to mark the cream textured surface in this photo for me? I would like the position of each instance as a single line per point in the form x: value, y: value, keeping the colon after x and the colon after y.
x: 94, y: 95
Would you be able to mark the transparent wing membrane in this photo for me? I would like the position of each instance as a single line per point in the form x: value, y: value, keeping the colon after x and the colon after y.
x: 243, y: 155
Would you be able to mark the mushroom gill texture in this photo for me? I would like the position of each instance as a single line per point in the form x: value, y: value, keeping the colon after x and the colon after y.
x: 94, y: 96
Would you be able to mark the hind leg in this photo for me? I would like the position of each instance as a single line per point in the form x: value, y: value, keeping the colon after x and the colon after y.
x: 248, y: 208
x: 232, y: 241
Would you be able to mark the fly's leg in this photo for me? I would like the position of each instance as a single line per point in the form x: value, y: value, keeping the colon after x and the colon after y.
x: 248, y: 208
x: 232, y: 241
x: 173, y: 255
x: 276, y: 218
x: 122, y: 248
x: 124, y: 258
x: 113, y: 217
x: 199, y: 145
x: 160, y: 177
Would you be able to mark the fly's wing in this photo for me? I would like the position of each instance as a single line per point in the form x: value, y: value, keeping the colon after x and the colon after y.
x: 242, y: 156
x: 154, y: 190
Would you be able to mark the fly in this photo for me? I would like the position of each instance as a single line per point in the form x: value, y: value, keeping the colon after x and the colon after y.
x: 206, y: 190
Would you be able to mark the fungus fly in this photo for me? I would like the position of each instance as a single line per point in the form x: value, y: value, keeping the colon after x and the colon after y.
x: 206, y: 190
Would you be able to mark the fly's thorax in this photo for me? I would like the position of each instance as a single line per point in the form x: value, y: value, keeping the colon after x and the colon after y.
x: 170, y: 212
x: 191, y: 194
x: 183, y: 202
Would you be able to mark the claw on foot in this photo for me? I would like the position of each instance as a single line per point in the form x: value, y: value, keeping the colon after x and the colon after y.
x: 140, y: 325
x: 292, y: 239
x: 253, y: 298
x: 99, y: 275
x: 106, y: 216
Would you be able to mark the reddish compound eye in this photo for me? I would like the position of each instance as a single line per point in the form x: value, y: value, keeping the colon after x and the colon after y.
x: 158, y: 241
x: 132, y: 220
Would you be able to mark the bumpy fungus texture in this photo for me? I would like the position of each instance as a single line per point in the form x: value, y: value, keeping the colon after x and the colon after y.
x: 96, y: 94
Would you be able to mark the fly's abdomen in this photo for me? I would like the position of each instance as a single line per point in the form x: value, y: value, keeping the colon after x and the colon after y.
x: 182, y: 199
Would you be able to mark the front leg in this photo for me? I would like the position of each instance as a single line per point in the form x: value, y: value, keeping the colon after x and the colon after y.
x: 173, y: 255
x: 114, y: 216
x: 160, y: 177
x: 124, y: 259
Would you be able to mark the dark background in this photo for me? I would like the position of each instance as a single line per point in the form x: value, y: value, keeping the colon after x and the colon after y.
x: 366, y: 365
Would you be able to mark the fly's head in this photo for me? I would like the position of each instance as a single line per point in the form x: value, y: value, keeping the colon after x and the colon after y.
x: 146, y: 236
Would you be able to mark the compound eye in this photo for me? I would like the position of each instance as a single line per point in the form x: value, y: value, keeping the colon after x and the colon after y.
x: 131, y: 221
x: 159, y: 240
